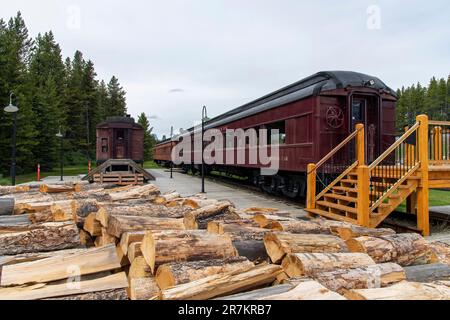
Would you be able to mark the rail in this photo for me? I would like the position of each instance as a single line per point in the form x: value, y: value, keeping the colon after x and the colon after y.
x: 439, y: 145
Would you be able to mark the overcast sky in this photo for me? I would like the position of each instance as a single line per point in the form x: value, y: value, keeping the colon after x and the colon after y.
x: 173, y: 57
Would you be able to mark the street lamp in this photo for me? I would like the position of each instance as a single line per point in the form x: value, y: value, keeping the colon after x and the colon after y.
x: 204, y: 117
x: 61, y: 136
x: 13, y: 109
x: 171, y: 144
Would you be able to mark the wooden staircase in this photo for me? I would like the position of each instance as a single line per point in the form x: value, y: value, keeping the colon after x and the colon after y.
x: 367, y: 194
x: 107, y: 173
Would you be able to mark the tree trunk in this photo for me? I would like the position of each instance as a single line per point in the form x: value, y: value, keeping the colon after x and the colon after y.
x: 7, y: 206
x: 42, y: 291
x: 298, y: 227
x: 307, y: 264
x: 405, y: 249
x: 278, y: 244
x: 130, y: 237
x: 403, y: 291
x: 168, y: 246
x: 45, y: 237
x: 92, y: 226
x: 44, y: 188
x: 119, y: 224
x: 139, y: 269
x: 223, y: 284
x: 143, y: 289
x: 373, y: 276
x: 108, y: 295
x: 428, y: 272
x: 308, y: 290
x: 349, y: 232
x: 63, y: 266
x: 176, y: 273
x: 199, y: 218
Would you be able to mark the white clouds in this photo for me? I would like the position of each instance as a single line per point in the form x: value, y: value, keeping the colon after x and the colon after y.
x: 224, y: 53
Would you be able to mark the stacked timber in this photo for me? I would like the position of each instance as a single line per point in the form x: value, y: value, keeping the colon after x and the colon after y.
x: 199, y: 218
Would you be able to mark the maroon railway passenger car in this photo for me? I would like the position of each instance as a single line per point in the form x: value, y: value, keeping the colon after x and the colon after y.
x: 120, y: 138
x: 313, y: 116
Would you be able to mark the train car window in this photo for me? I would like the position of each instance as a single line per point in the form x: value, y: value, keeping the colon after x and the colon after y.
x: 104, y: 145
x: 358, y: 112
x: 281, y: 127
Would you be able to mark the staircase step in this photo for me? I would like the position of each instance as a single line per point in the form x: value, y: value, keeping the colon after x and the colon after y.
x: 340, y: 197
x: 336, y: 206
x: 330, y: 215
x: 349, y: 181
x: 345, y: 189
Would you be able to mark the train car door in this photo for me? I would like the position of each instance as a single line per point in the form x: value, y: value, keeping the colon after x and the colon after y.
x: 365, y: 110
x: 120, y: 145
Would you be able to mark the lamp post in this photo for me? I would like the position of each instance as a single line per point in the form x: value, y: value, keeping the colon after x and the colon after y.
x: 13, y: 109
x: 61, y: 136
x: 171, y: 145
x: 204, y: 117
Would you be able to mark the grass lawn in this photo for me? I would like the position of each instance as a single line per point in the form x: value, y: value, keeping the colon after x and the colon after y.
x: 151, y: 165
x: 437, y: 198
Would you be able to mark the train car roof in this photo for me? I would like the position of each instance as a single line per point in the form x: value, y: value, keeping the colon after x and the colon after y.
x: 310, y: 86
x: 110, y: 122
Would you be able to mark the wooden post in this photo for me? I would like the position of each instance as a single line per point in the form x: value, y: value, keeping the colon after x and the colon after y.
x: 311, y: 186
x: 423, y: 222
x: 411, y: 203
x: 360, y: 145
x: 437, y: 143
x: 363, y: 205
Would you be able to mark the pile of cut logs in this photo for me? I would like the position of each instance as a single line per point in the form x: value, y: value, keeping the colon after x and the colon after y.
x: 97, y: 242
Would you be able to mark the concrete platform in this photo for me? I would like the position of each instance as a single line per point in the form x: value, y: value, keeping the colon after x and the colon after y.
x: 188, y: 185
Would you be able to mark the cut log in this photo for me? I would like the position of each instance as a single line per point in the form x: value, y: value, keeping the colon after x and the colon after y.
x: 42, y: 291
x: 164, y: 198
x: 41, y: 217
x: 14, y: 223
x: 64, y: 211
x: 130, y: 237
x: 86, y: 206
x: 122, y: 257
x: 145, y: 191
x: 134, y: 251
x: 442, y: 251
x: 7, y: 206
x: 308, y: 290
x: 223, y: 284
x: 196, y: 203
x: 297, y: 226
x: 263, y: 219
x: 46, y: 237
x: 403, y: 291
x: 254, y: 210
x: 86, y: 239
x: 92, y: 226
x: 352, y: 231
x: 374, y: 276
x: 105, y: 239
x: 139, y: 269
x: 278, y: 244
x: 63, y: 266
x: 258, y: 294
x: 27, y: 257
x: 404, y: 249
x: 143, y: 289
x: 223, y: 226
x: 4, y: 190
x: 254, y: 250
x: 199, y: 218
x: 45, y: 188
x: 307, y: 264
x: 108, y: 295
x: 185, y: 245
x: 173, y: 274
x: 120, y: 224
x: 428, y: 272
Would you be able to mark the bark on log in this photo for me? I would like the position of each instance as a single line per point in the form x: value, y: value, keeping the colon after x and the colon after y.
x: 185, y: 245
x: 42, y: 291
x: 278, y: 244
x: 145, y: 191
x: 108, y: 295
x: 64, y: 211
x: 4, y: 190
x: 428, y: 272
x: 176, y: 273
x: 130, y: 237
x: 7, y: 206
x: 264, y: 219
x: 134, y: 251
x: 403, y: 291
x: 374, y: 276
x: 196, y: 203
x: 405, y: 249
x: 120, y: 224
x: 307, y: 264
x: 442, y: 251
x: 46, y: 237
x: 308, y: 290
x: 62, y: 266
x: 199, y: 218
x: 258, y: 294
x: 298, y: 227
x: 105, y: 239
x: 41, y: 217
x: 45, y: 188
x: 143, y: 289
x: 349, y: 232
x: 254, y: 250
x: 139, y: 269
x: 164, y: 198
x: 223, y: 284
x: 92, y: 226
x: 27, y: 257
x: 223, y: 226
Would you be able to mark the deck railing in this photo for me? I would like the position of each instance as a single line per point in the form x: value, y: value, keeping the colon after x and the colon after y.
x: 439, y: 144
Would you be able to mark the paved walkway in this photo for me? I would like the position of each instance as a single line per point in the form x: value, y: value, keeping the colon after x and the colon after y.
x: 188, y: 185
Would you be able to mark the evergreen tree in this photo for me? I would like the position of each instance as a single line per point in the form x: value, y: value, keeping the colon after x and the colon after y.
x: 149, y: 139
x: 117, y: 102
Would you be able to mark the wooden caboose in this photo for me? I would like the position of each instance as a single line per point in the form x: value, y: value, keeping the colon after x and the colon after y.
x: 120, y: 152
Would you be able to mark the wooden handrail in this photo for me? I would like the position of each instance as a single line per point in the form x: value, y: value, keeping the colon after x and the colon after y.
x: 338, y: 147
x: 439, y: 123
x: 394, y: 146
